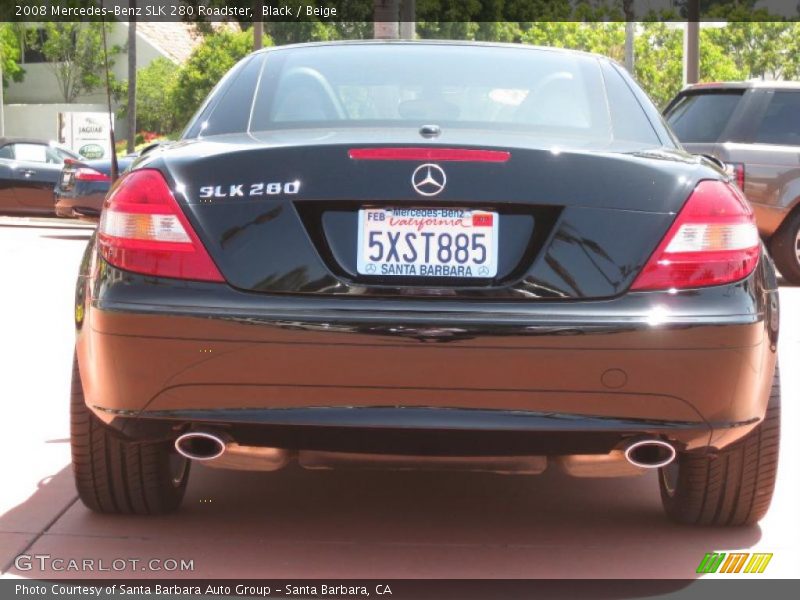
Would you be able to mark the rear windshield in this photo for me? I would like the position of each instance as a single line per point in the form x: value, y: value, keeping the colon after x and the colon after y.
x: 551, y: 94
x: 702, y: 117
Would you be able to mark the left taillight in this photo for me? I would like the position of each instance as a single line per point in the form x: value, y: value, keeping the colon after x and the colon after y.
x: 142, y: 229
x: 713, y: 240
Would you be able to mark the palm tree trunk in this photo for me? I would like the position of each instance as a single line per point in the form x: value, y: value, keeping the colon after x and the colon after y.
x: 691, y: 43
x: 386, y: 15
x: 258, y: 26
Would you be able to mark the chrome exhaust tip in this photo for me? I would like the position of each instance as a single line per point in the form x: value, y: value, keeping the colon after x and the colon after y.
x: 650, y: 453
x: 200, y: 445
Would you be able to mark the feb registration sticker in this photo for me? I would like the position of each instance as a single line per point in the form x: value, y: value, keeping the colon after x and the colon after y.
x: 427, y: 242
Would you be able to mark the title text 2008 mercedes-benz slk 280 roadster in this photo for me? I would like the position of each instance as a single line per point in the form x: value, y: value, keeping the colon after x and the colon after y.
x: 427, y: 255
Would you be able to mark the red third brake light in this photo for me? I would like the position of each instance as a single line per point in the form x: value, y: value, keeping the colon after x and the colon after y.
x: 429, y: 153
x: 142, y: 229
x: 714, y: 240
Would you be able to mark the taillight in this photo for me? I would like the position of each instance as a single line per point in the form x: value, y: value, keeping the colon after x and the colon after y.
x: 714, y: 240
x: 87, y: 174
x: 736, y: 171
x: 142, y: 229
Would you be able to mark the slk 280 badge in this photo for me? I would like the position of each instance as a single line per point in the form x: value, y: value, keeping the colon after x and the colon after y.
x: 243, y: 190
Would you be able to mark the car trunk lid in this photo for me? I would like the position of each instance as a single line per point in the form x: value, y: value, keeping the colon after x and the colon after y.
x: 280, y: 213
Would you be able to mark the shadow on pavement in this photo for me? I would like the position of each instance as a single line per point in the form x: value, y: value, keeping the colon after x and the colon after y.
x: 23, y: 524
x: 83, y: 238
x: 383, y: 524
x: 44, y: 224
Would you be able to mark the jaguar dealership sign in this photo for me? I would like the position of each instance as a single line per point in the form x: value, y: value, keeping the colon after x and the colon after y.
x: 87, y: 133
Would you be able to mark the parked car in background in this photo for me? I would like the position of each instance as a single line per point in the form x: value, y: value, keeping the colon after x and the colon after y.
x: 83, y: 184
x: 754, y: 127
x: 29, y: 169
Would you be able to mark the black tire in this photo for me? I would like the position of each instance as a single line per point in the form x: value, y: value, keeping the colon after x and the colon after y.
x: 783, y: 246
x: 118, y: 476
x: 730, y: 488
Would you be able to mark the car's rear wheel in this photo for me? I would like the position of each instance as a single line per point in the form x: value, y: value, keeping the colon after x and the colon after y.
x: 118, y: 476
x: 785, y: 248
x: 732, y: 487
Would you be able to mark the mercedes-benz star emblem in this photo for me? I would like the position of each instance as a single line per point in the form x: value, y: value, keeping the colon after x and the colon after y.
x: 428, y: 179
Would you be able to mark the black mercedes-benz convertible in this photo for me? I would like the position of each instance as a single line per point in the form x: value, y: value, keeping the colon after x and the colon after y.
x: 432, y: 256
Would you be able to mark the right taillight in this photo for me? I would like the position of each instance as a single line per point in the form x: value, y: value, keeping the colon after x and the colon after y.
x: 714, y: 240
x: 142, y: 229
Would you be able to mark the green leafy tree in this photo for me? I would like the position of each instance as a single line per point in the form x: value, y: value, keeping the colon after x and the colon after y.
x: 761, y: 49
x: 791, y: 66
x: 658, y: 66
x: 484, y: 31
x: 352, y: 21
x: 440, y: 13
x: 155, y: 83
x: 74, y: 52
x: 317, y: 31
x: 602, y: 38
x: 10, y: 54
x: 205, y: 67
x: 724, y: 9
x: 658, y: 49
x: 485, y: 20
x: 659, y: 60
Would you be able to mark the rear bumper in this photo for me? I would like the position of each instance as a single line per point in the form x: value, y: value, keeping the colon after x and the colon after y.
x: 359, y: 375
x: 86, y: 206
x: 413, y: 430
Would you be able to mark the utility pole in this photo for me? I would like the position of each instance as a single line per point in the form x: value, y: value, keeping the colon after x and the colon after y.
x: 386, y: 15
x: 630, y: 34
x: 691, y: 43
x: 2, y: 111
x: 258, y: 35
x: 258, y: 26
x: 408, y: 19
x: 112, y: 139
x: 132, y: 79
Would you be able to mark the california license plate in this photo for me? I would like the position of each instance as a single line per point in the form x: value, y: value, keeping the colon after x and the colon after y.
x: 427, y: 242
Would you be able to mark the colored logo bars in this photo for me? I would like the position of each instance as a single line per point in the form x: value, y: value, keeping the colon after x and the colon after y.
x: 716, y: 562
